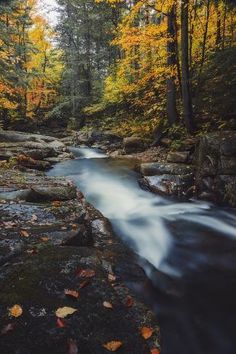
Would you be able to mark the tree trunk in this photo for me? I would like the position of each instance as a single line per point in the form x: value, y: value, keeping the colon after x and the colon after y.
x: 171, y: 64
x: 186, y: 92
x: 218, y: 25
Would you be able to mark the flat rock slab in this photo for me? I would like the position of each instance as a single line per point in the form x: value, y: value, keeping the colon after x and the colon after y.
x: 178, y: 156
x: 34, y: 188
x: 37, y: 283
x: 156, y: 168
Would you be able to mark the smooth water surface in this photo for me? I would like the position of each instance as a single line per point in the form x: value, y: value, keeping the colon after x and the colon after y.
x: 188, y: 252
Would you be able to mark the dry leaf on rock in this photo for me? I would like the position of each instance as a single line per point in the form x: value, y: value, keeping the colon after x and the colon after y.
x: 85, y: 273
x: 24, y: 233
x: 56, y: 204
x: 146, y: 332
x: 84, y: 284
x: 44, y: 239
x: 155, y: 351
x: 34, y: 217
x: 111, y: 277
x: 107, y: 305
x: 72, y: 293
x: 60, y: 323
x: 63, y: 312
x: 15, y: 311
x: 75, y: 226
x: 113, y: 346
x: 129, y: 301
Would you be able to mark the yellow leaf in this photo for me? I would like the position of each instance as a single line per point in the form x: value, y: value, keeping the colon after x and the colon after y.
x: 15, y: 311
x: 63, y: 312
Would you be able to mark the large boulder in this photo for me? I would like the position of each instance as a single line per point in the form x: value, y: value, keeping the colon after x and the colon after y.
x: 169, y: 185
x: 216, y: 167
x: 178, y: 156
x: 133, y: 144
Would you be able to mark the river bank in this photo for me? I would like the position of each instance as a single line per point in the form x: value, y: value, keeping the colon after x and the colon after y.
x: 53, y: 240
x: 202, y: 168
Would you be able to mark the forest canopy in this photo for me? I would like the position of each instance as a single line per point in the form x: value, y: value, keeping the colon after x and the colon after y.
x: 132, y: 66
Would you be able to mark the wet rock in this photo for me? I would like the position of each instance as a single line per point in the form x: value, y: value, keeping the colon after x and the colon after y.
x: 216, y: 163
x: 30, y: 163
x: 178, y: 156
x: 133, y: 144
x: 166, y: 142
x: 44, y: 194
x: 14, y: 136
x: 169, y: 185
x: 37, y: 283
x: 156, y: 168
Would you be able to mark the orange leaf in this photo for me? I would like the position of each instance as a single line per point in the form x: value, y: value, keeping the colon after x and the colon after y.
x: 107, y: 305
x: 44, y: 239
x: 129, y: 301
x: 85, y: 273
x: 15, y: 311
x: 155, y: 351
x: 84, y: 284
x: 60, y: 323
x: 24, y: 233
x: 72, y: 293
x: 113, y: 346
x: 74, y: 226
x: 56, y: 204
x: 146, y: 332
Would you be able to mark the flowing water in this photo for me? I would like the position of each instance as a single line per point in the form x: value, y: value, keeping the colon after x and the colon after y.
x: 188, y: 252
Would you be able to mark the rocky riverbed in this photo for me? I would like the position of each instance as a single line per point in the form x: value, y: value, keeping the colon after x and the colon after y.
x: 202, y: 168
x: 64, y: 273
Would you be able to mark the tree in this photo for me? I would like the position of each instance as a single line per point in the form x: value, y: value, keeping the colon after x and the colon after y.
x: 186, y: 91
x: 171, y: 63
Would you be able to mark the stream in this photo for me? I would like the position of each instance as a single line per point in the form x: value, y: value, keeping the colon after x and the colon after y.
x: 188, y: 251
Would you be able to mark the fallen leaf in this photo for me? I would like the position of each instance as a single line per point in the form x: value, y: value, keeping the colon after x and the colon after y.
x: 56, y: 204
x: 63, y: 312
x: 24, y: 233
x: 111, y: 277
x: 15, y: 311
x: 44, y: 239
x: 107, y: 305
x: 73, y: 348
x: 155, y: 351
x: 129, y: 301
x: 84, y: 284
x: 113, y: 346
x: 72, y: 293
x: 146, y: 332
x: 34, y: 251
x: 60, y: 323
x: 34, y: 217
x: 8, y: 328
x: 74, y: 226
x: 85, y: 273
